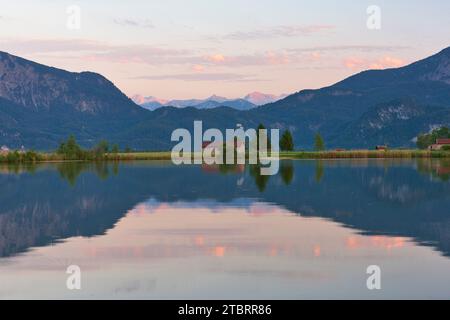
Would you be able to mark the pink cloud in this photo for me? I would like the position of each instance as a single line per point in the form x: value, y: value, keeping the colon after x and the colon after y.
x: 277, y: 58
x: 354, y: 63
x: 381, y: 63
x: 387, y: 62
x: 201, y: 76
x: 143, y: 54
x: 267, y: 58
x: 315, y: 56
x: 216, y: 58
x: 99, y: 51
x: 198, y: 68
x: 279, y: 31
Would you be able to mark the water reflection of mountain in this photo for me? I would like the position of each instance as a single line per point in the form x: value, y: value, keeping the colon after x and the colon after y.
x: 45, y: 204
x: 37, y: 207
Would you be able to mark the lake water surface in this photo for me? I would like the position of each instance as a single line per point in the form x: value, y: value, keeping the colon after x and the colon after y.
x: 151, y: 230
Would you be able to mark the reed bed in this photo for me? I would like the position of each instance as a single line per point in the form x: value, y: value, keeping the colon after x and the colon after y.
x: 34, y: 157
x: 365, y: 154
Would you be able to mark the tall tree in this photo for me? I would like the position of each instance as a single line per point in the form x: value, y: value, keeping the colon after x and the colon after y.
x: 426, y: 140
x: 103, y: 146
x: 286, y: 141
x: 115, y: 149
x: 259, y: 135
x: 100, y: 149
x: 319, y: 144
x: 262, y: 137
x: 70, y: 149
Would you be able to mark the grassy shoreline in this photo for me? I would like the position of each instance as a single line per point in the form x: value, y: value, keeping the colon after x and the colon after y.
x: 36, y: 157
x: 365, y: 154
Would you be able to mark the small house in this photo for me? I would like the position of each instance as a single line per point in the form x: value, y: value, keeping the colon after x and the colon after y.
x: 205, y: 144
x: 381, y: 148
x: 440, y: 143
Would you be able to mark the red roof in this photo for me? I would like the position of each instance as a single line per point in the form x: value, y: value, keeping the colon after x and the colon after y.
x: 442, y: 141
x: 205, y: 144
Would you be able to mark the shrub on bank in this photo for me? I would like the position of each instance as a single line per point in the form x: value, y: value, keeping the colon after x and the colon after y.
x: 21, y: 157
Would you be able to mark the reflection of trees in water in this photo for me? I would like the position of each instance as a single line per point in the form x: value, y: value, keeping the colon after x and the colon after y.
x: 70, y: 171
x: 17, y: 168
x: 260, y: 180
x: 395, y: 202
x: 102, y: 170
x: 38, y: 209
x: 115, y: 168
x: 320, y: 170
x: 287, y: 172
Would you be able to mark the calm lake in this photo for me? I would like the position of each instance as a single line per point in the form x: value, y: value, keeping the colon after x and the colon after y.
x: 151, y: 230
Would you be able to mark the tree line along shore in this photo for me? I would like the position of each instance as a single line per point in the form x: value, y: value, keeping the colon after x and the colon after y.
x: 70, y: 150
x: 35, y: 157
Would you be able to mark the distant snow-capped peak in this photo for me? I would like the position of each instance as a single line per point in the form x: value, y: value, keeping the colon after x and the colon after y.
x: 260, y: 99
x: 139, y: 99
x: 251, y: 100
x: 218, y: 98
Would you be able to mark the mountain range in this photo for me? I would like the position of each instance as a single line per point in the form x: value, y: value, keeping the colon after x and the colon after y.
x: 250, y: 101
x: 40, y: 106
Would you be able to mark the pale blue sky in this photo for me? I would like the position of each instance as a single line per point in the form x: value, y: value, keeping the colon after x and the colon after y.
x: 195, y: 48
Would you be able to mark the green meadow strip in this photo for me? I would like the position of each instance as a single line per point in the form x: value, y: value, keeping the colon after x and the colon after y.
x: 34, y: 157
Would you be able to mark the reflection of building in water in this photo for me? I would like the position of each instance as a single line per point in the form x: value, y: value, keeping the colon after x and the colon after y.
x: 223, y: 168
x: 443, y: 170
x: 438, y: 169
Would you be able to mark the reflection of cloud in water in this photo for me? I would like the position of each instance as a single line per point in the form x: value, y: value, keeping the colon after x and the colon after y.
x: 388, y: 243
x: 168, y: 247
x: 215, y: 229
x: 251, y: 206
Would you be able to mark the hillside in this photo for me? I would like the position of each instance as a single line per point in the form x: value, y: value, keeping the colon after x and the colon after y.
x: 40, y: 106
